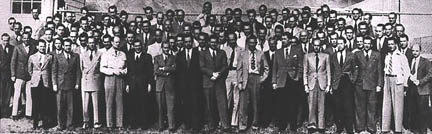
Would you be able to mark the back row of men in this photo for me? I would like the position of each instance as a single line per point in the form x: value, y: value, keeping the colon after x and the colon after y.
x: 288, y: 71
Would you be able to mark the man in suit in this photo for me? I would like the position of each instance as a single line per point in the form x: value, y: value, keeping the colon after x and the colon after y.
x: 139, y: 78
x: 305, y: 45
x: 213, y: 62
x: 231, y: 81
x: 287, y: 70
x: 128, y: 46
x: 6, y: 84
x: 317, y: 81
x: 403, y: 47
x: 252, y: 70
x: 164, y: 67
x: 368, y: 83
x: 333, y: 43
x: 147, y: 35
x: 343, y: 76
x: 20, y: 75
x: 179, y: 22
x: 113, y: 65
x: 349, y: 35
x: 267, y: 107
x: 39, y: 67
x: 397, y: 72
x: 91, y: 82
x: 188, y: 77
x: 65, y: 75
x: 419, y: 84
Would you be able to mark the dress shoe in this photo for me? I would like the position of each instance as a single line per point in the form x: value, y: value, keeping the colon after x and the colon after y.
x: 97, y: 125
x: 172, y: 130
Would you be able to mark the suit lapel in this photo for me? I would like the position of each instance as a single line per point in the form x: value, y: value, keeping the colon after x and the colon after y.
x: 321, y: 60
x: 47, y: 59
x: 313, y: 60
x: 22, y: 48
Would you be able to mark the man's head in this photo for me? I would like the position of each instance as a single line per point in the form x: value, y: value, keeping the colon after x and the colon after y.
x: 304, y: 38
x: 392, y: 44
x: 60, y: 30
x: 237, y: 14
x: 251, y: 13
x: 363, y: 28
x: 203, y: 39
x: 305, y: 17
x: 367, y: 18
x: 35, y: 13
x: 57, y: 19
x: 165, y: 48
x: 367, y: 43
x: 67, y: 45
x: 293, y: 41
x: 341, y: 24
x: 400, y: 29
x: 285, y: 39
x: 41, y: 46
x: 320, y: 22
x: 180, y: 15
x: 116, y: 42
x: 232, y: 39
x: 180, y: 40
x: 222, y: 38
x: 187, y: 29
x: 333, y: 39
x: 158, y: 35
x: 48, y: 35
x: 388, y: 29
x: 285, y: 13
x: 229, y: 14
x: 272, y: 44
x: 333, y: 17
x: 73, y: 36
x: 251, y: 42
x: 262, y: 33
x: 172, y: 42
x: 340, y: 41
x: 26, y: 37
x: 274, y: 14
x: 349, y: 32
x: 416, y: 50
x: 278, y: 31
x: 292, y: 21
x: 268, y: 21
x: 70, y: 17
x: 167, y: 25
x: 403, y: 41
x: 188, y: 41
x: 247, y: 29
x: 160, y: 18
x: 106, y: 41
x: 207, y: 7
x: 58, y: 44
x: 138, y: 47
x: 17, y: 28
x: 11, y: 22
x: 112, y: 11
x: 5, y: 38
x: 148, y: 12
x: 170, y: 14
x: 262, y: 10
x: 359, y: 42
x: 316, y: 45
x: 130, y: 37
x: 379, y: 30
x: 28, y: 29
x: 357, y: 13
x: 211, y: 20
x: 83, y: 39
x: 214, y: 42
x: 124, y: 16
x: 392, y: 18
x: 91, y: 45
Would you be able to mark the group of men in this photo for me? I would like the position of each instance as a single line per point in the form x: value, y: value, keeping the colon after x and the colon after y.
x: 242, y: 71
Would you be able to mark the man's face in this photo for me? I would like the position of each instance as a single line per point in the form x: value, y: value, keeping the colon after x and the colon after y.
x: 272, y: 45
x: 274, y: 16
x: 83, y: 41
x: 139, y: 21
x: 268, y: 22
x: 237, y: 15
x: 333, y: 40
x: 149, y: 14
x: 213, y: 43
x: 188, y: 42
x: 292, y: 41
x: 305, y: 18
x: 349, y: 34
x: 116, y: 42
x: 217, y: 30
x: 292, y: 22
x: 356, y: 14
x: 74, y: 36
x: 262, y: 11
x: 172, y: 43
x: 285, y: 15
x: 159, y: 18
x: 112, y: 12
x: 180, y: 16
x: 67, y: 47
x: 212, y: 20
x: 392, y: 45
x: 106, y: 42
x: 251, y: 17
x: 58, y: 45
x: 247, y: 30
x: 341, y: 25
x: 11, y: 22
x: 304, y: 37
x: 321, y: 36
x: 91, y: 44
x: 165, y: 48
x: 229, y: 14
x: 363, y: 29
x: 167, y: 25
x: 35, y: 13
x: 388, y: 30
x: 317, y: 45
x: 106, y: 20
x: 17, y: 28
x: 132, y: 26
x: 285, y: 41
x: 403, y: 42
x: 187, y: 29
x: 392, y: 18
x: 416, y: 50
x: 251, y: 43
x: 60, y: 31
x: 207, y: 8
x: 340, y: 44
x: 222, y: 39
x: 201, y: 41
x: 232, y: 40
x: 367, y: 44
x: 26, y: 39
x: 399, y: 30
x: 278, y: 32
x: 379, y: 31
x: 333, y: 18
x: 41, y: 47
x: 320, y: 22
x: 325, y: 11
x: 130, y: 38
x: 170, y: 15
x: 5, y: 40
x: 137, y: 47
x: 180, y: 42
x: 359, y: 41
x: 29, y: 30
x: 367, y: 19
x: 123, y: 18
x: 262, y: 34
x: 158, y: 36
x: 330, y: 30
x: 48, y: 35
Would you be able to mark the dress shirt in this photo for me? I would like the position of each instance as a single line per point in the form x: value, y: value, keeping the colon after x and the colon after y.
x: 137, y: 55
x: 380, y: 42
x: 112, y: 62
x: 154, y: 49
x: 399, y: 66
x: 415, y: 63
x: 212, y: 52
x: 403, y: 50
x: 67, y: 55
x: 265, y: 46
x: 287, y: 51
x: 188, y: 54
x: 251, y: 58
x: 367, y: 53
x: 339, y: 56
x: 271, y: 55
x: 27, y: 48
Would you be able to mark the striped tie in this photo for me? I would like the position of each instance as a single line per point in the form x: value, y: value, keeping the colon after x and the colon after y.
x: 390, y: 66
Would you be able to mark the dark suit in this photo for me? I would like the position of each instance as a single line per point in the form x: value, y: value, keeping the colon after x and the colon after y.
x: 409, y: 112
x: 165, y: 91
x: 179, y: 28
x: 369, y: 77
x: 419, y: 95
x: 214, y: 90
x: 146, y: 38
x: 6, y: 85
x: 343, y: 76
x: 188, y: 81
x: 140, y: 75
x: 18, y: 66
x: 127, y: 50
x: 65, y: 75
x: 268, y: 94
x: 287, y: 72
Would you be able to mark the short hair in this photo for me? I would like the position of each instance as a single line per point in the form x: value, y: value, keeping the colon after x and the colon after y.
x: 82, y: 35
x: 41, y: 41
x: 358, y: 9
x: 349, y: 27
x: 107, y: 36
x: 369, y: 15
x: 228, y: 9
x: 367, y: 38
x: 380, y: 25
x: 342, y: 38
x: 67, y: 40
x: 404, y: 36
x: 251, y: 11
x: 5, y: 35
x: 135, y: 41
x: 274, y: 11
x: 123, y: 12
x: 362, y: 23
x: 286, y: 9
x: 113, y: 7
x: 83, y: 9
x: 393, y: 39
x: 205, y: 35
x: 26, y: 33
x: 60, y: 39
x: 342, y: 19
x: 262, y: 6
x: 60, y: 25
x: 237, y: 10
x: 251, y: 37
x: 214, y: 37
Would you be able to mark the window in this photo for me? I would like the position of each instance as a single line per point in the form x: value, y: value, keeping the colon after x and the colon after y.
x: 24, y: 6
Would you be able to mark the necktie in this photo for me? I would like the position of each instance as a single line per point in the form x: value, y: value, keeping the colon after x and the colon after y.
x: 67, y: 57
x: 341, y: 60
x: 91, y: 55
x: 232, y: 57
x: 367, y: 56
x: 253, y: 64
x: 115, y: 52
x: 304, y: 48
x: 390, y: 66
x: 188, y: 57
x: 413, y: 69
x: 136, y: 57
x: 316, y: 62
x: 286, y: 53
x: 40, y: 60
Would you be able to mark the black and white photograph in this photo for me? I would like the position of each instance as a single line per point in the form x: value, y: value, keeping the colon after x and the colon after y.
x: 216, y: 66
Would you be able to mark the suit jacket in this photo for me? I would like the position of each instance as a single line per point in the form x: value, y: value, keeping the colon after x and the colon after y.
x: 188, y: 73
x: 243, y: 67
x: 268, y: 80
x: 370, y: 72
x: 91, y: 76
x: 19, y: 61
x: 228, y: 51
x: 5, y: 61
x: 164, y: 79
x: 150, y: 39
x: 424, y: 75
x: 408, y: 54
x: 311, y: 73
x: 282, y: 68
x: 140, y: 72
x: 348, y: 69
x: 66, y: 74
x: 40, y: 70
x: 124, y: 49
x: 179, y: 28
x: 208, y: 66
x: 330, y: 51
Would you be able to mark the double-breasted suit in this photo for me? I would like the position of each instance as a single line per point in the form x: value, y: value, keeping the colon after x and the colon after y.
x: 91, y: 83
x: 164, y: 68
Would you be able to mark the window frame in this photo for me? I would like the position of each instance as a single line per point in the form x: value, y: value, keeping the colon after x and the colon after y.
x: 32, y: 2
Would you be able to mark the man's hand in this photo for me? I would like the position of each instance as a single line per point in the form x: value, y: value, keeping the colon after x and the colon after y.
x: 55, y: 88
x: 13, y: 79
x: 306, y: 89
x: 327, y: 89
x: 378, y: 89
x: 240, y: 87
x: 416, y: 82
x: 76, y: 87
x: 274, y: 86
x: 161, y: 68
x: 127, y: 88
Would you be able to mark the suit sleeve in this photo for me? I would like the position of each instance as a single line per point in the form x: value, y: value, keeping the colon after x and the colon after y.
x: 30, y: 66
x: 328, y: 70
x: 380, y: 71
x: 203, y: 67
x: 224, y: 62
x: 150, y: 70
x: 14, y: 61
x: 171, y: 68
x: 265, y: 68
x: 78, y: 72
x: 156, y: 66
x: 275, y: 68
x: 405, y: 70
x: 305, y: 70
x: 240, y: 68
x: 54, y: 70
x: 428, y: 76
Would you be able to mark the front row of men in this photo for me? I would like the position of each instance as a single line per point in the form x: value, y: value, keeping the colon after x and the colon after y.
x: 357, y: 74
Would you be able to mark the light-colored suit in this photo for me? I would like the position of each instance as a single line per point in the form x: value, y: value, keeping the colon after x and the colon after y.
x: 40, y: 70
x: 250, y: 84
x: 231, y: 87
x: 91, y: 82
x: 317, y: 78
